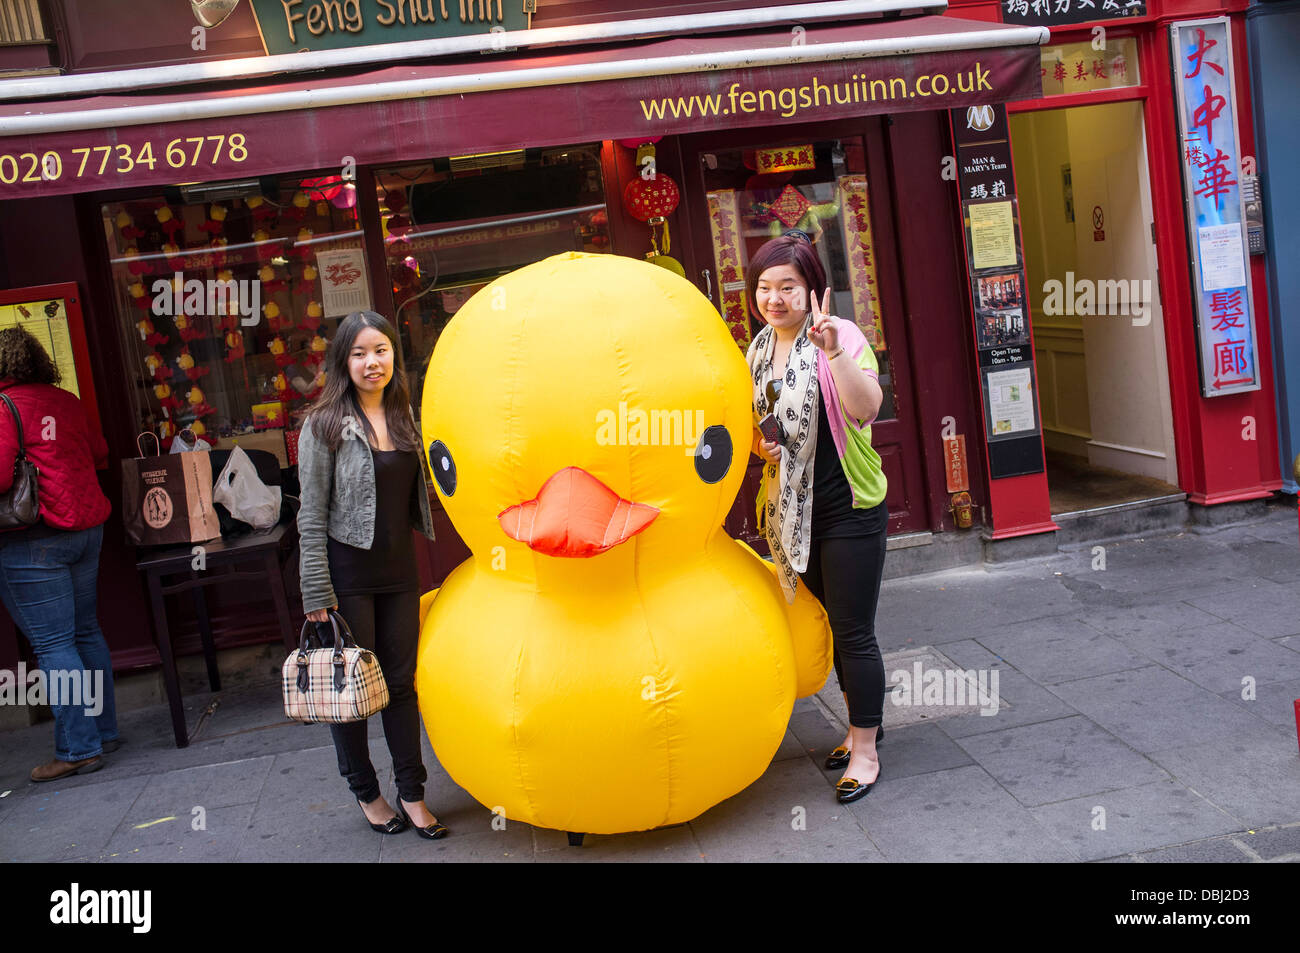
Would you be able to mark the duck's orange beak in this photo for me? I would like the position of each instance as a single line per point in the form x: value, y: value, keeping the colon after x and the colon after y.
x: 575, y: 515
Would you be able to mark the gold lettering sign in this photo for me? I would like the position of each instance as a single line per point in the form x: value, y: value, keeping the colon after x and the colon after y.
x: 289, y: 26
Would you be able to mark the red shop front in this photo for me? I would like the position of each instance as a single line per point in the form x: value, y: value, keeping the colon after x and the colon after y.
x: 1133, y: 412
x: 405, y: 188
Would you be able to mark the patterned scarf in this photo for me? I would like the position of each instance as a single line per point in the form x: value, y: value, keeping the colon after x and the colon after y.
x: 787, y: 486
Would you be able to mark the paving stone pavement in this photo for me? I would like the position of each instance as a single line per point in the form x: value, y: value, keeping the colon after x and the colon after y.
x: 1145, y: 715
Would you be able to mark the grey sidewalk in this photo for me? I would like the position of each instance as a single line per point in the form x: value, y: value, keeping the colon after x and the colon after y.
x: 1124, y: 736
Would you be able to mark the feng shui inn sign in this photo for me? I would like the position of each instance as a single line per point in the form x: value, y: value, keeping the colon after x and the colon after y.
x: 289, y: 26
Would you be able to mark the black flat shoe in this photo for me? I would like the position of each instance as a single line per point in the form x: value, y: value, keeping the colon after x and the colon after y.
x: 395, y: 825
x: 839, y: 757
x: 848, y: 790
x: 434, y: 831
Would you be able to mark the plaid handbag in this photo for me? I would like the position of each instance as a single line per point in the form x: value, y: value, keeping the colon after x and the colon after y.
x: 335, y: 685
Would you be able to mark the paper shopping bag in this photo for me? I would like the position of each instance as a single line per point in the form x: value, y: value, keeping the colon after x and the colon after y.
x: 167, y: 500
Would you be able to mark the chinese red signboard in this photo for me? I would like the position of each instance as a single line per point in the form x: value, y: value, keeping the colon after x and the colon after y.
x: 1056, y: 12
x: 1211, y: 163
x: 956, y: 476
x: 785, y: 159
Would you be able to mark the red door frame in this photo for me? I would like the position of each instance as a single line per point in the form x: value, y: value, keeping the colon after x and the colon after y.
x: 900, y: 431
x: 1216, y: 464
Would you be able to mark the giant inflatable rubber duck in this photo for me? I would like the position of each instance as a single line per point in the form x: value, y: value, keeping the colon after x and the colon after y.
x: 608, y: 659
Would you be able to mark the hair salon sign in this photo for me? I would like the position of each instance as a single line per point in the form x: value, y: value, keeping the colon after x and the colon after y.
x: 288, y: 26
x: 1201, y: 51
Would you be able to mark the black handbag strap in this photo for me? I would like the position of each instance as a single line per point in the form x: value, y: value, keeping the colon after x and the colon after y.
x: 342, y: 640
x: 18, y: 422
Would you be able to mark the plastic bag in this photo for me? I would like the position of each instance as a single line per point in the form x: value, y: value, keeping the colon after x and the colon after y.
x: 180, y: 446
x: 239, y: 490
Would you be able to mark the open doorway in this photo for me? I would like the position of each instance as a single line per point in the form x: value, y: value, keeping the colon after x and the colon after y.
x: 1085, y: 205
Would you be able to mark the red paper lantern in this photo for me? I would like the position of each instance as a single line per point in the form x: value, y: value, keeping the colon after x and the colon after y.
x: 645, y: 199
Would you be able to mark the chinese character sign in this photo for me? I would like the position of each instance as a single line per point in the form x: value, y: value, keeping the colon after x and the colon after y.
x: 1058, y: 12
x: 1211, y: 162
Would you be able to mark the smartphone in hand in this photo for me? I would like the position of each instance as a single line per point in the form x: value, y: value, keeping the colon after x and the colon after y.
x: 771, y: 428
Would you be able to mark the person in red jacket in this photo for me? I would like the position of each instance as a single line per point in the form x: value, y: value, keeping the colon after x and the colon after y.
x: 49, y: 571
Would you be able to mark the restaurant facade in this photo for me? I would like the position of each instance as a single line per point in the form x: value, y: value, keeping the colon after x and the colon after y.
x: 189, y: 205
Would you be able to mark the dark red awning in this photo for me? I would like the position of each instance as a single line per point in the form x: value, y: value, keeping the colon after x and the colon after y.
x: 485, y: 104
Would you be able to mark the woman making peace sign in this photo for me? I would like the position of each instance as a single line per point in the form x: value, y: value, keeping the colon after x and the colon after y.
x: 824, y: 515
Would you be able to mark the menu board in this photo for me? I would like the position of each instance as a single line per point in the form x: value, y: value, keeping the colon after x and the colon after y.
x: 992, y: 235
x: 47, y: 321
x: 995, y: 267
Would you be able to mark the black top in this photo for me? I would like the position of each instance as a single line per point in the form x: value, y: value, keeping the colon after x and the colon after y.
x: 389, y: 564
x: 833, y: 514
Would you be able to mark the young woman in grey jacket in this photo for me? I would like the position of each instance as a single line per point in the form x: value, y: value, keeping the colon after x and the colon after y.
x: 365, y: 486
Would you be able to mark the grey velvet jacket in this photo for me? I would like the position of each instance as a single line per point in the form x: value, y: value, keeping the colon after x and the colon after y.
x: 338, y: 500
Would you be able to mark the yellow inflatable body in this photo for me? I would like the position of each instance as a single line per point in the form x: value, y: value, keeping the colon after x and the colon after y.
x: 607, y: 659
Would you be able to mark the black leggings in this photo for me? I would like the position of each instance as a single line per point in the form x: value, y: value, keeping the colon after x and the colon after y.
x: 844, y: 574
x: 388, y: 623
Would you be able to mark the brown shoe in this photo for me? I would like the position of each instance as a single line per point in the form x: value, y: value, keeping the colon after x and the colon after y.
x: 61, y: 769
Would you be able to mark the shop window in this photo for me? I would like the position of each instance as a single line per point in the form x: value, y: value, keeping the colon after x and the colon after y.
x: 453, y: 225
x: 1078, y: 68
x: 820, y: 187
x: 227, y: 299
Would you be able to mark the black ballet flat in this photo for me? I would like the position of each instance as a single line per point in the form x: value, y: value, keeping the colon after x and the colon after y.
x: 848, y: 790
x: 839, y: 757
x: 395, y: 825
x: 434, y: 831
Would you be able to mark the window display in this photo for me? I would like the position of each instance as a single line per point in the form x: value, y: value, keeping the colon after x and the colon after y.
x: 227, y: 302
x: 451, y: 226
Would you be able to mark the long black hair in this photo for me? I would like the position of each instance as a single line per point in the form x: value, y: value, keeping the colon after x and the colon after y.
x: 338, y: 398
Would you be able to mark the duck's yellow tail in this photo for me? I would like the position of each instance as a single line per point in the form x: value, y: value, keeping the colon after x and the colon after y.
x: 810, y: 630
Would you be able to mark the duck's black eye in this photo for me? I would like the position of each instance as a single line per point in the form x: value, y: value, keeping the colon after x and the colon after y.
x: 713, y: 454
x: 443, y: 466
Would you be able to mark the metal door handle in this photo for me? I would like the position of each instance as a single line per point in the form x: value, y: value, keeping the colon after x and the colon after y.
x: 708, y: 283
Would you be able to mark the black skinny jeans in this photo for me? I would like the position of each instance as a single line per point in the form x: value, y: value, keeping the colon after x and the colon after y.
x: 844, y: 574
x: 387, y: 623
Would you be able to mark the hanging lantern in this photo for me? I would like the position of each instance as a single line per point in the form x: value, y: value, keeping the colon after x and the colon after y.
x: 645, y: 199
x: 652, y: 200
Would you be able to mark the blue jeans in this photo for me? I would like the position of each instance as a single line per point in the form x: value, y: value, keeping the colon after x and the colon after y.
x: 48, y: 586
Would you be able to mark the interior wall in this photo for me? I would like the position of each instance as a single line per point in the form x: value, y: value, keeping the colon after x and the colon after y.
x: 1128, y: 385
x: 1041, y: 146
